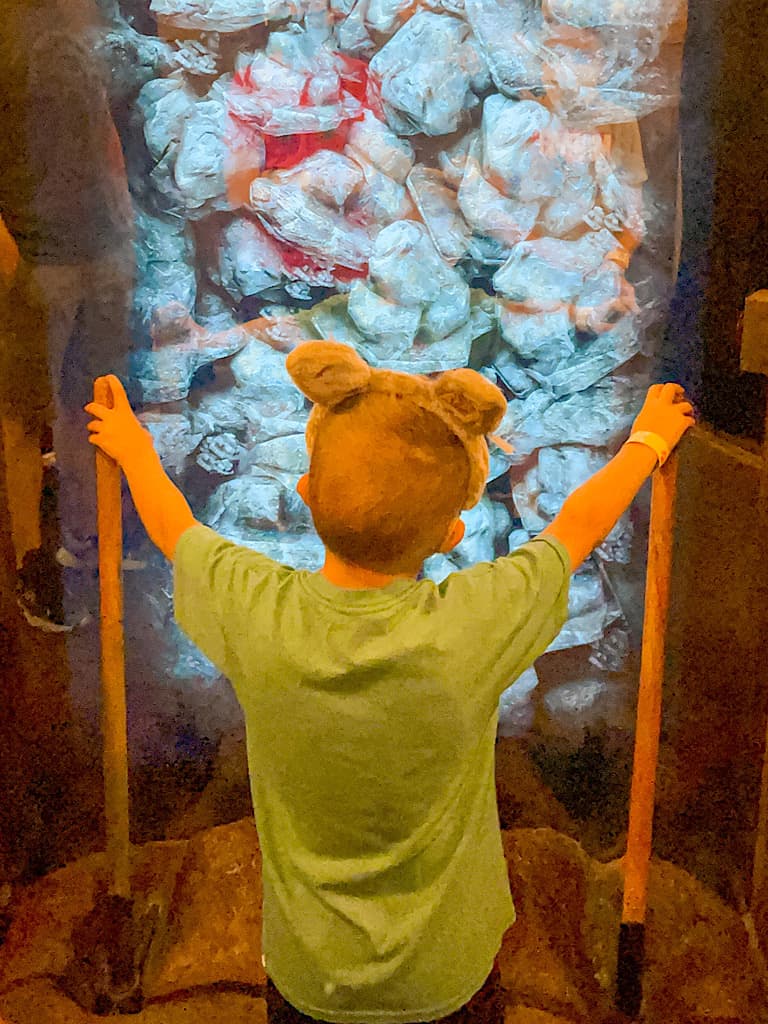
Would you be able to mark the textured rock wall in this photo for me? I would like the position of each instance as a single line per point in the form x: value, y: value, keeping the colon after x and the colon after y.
x: 439, y: 183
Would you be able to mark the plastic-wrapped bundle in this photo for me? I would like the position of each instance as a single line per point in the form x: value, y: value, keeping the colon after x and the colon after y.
x: 603, y: 57
x: 597, y: 58
x: 596, y: 359
x: 438, y: 207
x: 252, y: 415
x: 245, y: 259
x: 549, y: 272
x: 516, y: 710
x: 415, y: 313
x: 542, y: 340
x: 652, y: 16
x: 598, y: 416
x: 411, y: 290
x: 294, y: 87
x: 187, y: 138
x: 180, y: 347
x: 310, y: 224
x: 175, y: 437
x: 429, y: 96
x: 370, y: 139
x: 329, y: 206
x: 590, y: 611
x: 508, y: 32
x: 224, y: 15
x: 488, y: 210
x: 518, y: 148
x: 165, y: 258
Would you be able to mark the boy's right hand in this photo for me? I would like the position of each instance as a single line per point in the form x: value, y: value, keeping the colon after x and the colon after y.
x: 117, y: 431
x: 666, y: 412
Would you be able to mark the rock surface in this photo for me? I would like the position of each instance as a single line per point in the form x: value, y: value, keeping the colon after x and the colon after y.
x: 557, y: 962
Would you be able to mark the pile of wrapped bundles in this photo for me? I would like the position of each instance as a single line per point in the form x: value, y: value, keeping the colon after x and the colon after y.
x: 439, y: 183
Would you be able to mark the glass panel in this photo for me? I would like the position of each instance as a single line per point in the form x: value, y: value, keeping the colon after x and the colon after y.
x: 486, y: 183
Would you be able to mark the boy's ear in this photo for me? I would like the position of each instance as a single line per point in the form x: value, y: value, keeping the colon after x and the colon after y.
x: 327, y: 372
x: 454, y: 537
x: 476, y: 404
x: 302, y: 487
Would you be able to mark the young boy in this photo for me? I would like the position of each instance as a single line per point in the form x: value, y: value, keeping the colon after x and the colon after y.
x: 370, y: 696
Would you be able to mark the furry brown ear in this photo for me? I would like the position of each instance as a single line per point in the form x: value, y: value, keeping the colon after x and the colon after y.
x: 327, y: 372
x: 475, y: 403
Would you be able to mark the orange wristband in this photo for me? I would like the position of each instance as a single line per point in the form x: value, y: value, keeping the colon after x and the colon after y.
x: 654, y: 441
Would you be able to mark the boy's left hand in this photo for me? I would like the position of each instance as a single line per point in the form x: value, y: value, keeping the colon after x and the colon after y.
x: 117, y: 431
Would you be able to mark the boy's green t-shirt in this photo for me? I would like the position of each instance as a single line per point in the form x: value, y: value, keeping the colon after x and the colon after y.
x: 371, y: 722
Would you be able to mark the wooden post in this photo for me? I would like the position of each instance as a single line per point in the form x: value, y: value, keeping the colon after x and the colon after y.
x: 642, y: 795
x: 754, y: 359
x: 113, y: 709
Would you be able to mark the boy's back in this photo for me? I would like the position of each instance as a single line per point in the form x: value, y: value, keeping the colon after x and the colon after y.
x: 371, y: 722
x: 370, y: 696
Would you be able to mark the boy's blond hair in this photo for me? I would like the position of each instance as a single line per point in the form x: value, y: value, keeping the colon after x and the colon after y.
x: 394, y: 457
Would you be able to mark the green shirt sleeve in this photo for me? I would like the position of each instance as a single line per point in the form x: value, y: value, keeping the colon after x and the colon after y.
x: 218, y: 585
x: 507, y: 612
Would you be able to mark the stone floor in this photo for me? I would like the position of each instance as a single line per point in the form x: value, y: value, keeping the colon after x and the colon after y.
x: 557, y: 962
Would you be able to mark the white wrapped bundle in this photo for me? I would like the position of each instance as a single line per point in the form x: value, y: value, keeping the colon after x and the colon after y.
x: 438, y: 207
x: 655, y: 16
x: 371, y: 140
x: 317, y: 228
x: 187, y: 137
x: 489, y: 211
x: 249, y: 502
x: 391, y: 326
x: 224, y: 15
x: 509, y: 34
x: 519, y: 151
x: 429, y: 96
x: 285, y: 99
x: 166, y: 104
x: 596, y: 359
x: 174, y: 436
x: 165, y: 257
x: 516, y: 710
x: 406, y: 268
x: 598, y: 417
x: 550, y: 272
x: 539, y: 496
x: 543, y: 340
x: 380, y: 200
x: 247, y: 259
x: 477, y: 545
x: 590, y: 611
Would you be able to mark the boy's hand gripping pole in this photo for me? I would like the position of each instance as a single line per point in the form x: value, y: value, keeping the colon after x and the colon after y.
x: 113, y: 704
x: 629, y: 981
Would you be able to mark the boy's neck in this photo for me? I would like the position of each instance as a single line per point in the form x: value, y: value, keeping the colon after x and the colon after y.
x: 354, y: 577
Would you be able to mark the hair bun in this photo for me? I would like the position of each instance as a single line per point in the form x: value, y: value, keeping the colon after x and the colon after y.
x: 476, y: 404
x: 328, y: 372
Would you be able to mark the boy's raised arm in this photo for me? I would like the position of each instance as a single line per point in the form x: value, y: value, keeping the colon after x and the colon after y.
x: 162, y: 507
x: 592, y: 510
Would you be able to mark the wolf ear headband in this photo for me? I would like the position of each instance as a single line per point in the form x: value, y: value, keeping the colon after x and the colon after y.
x: 328, y: 373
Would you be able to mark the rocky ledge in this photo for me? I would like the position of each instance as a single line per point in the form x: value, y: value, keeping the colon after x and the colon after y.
x: 197, y: 910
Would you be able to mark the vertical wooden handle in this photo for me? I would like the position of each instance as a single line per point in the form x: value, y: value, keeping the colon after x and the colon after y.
x: 113, y: 707
x: 641, y: 801
x: 759, y: 897
x: 631, y: 954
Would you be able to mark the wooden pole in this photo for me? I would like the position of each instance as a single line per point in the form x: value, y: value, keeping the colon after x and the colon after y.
x: 642, y: 795
x: 754, y: 359
x: 760, y: 861
x: 113, y: 708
